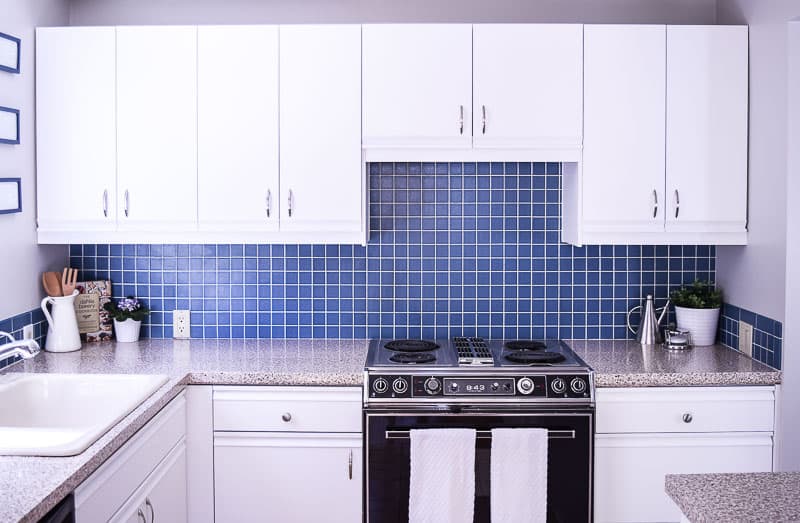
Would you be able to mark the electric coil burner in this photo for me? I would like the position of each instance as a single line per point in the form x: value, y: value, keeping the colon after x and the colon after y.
x: 469, y: 382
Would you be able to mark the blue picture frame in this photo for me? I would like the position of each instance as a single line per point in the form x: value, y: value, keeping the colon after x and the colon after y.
x: 18, y: 208
x: 11, y: 139
x: 12, y: 68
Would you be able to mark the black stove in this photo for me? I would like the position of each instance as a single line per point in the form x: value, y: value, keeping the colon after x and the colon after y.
x: 473, y: 369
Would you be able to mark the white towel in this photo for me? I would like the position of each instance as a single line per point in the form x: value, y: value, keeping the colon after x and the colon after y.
x: 442, y: 487
x: 519, y: 476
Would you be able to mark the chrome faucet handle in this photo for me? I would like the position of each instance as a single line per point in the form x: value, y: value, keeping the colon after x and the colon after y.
x: 7, y: 335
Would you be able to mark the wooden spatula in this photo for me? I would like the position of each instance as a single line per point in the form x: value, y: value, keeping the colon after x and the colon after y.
x: 68, y: 280
x: 51, y: 283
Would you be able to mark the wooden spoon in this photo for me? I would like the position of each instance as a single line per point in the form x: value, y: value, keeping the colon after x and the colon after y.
x: 51, y: 283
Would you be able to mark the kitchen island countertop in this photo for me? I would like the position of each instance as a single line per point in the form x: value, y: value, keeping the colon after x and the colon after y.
x: 753, y: 497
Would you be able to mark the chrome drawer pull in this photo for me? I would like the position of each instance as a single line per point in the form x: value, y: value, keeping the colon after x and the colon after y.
x: 350, y: 465
x: 105, y: 203
x: 152, y: 510
x: 483, y: 119
x: 127, y: 202
x: 460, y: 119
x: 687, y: 418
x: 269, y: 202
x: 677, y: 203
x: 287, y: 417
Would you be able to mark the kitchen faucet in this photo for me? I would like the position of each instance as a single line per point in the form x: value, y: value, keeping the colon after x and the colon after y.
x: 25, y: 349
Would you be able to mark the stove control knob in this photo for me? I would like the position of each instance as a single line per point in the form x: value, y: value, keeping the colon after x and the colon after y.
x: 558, y: 385
x: 495, y: 386
x: 577, y: 385
x: 380, y: 385
x: 432, y: 386
x: 400, y: 385
x: 454, y: 387
x: 525, y: 385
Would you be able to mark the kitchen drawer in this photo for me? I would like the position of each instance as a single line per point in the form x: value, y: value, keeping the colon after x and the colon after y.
x: 287, y: 409
x: 105, y: 491
x: 685, y: 409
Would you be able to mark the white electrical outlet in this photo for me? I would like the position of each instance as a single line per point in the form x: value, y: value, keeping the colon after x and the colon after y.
x: 181, y: 323
x: 27, y: 332
x: 746, y: 338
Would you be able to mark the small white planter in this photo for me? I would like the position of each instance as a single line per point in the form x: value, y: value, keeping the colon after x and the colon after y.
x: 127, y: 331
x: 702, y: 323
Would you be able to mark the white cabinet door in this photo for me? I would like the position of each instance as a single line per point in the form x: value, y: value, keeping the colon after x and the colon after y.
x: 76, y: 160
x: 157, y: 128
x: 528, y: 85
x: 272, y: 476
x: 706, y: 129
x: 623, y: 148
x: 162, y: 496
x: 417, y: 85
x: 320, y: 129
x: 237, y: 127
x: 630, y: 468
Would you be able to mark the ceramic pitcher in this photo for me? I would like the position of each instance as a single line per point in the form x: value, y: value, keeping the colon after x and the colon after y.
x: 62, y: 333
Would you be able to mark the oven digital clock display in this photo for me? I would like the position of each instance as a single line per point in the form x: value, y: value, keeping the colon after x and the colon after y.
x: 478, y: 386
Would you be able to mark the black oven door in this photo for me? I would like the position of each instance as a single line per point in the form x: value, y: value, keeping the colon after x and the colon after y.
x: 569, y: 463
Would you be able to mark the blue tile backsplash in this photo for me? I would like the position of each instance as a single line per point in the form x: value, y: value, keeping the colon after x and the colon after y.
x: 454, y: 249
x: 767, y: 333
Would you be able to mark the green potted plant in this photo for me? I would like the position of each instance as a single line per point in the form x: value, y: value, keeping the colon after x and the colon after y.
x: 697, y: 310
x: 128, y: 314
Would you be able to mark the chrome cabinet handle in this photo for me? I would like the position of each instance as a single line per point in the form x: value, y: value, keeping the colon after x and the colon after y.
x: 269, y: 202
x: 127, y: 202
x: 105, y: 203
x: 483, y: 119
x: 152, y: 510
x: 291, y: 202
x: 677, y: 203
x: 140, y: 515
x: 655, y: 203
x: 350, y: 465
x: 287, y: 417
x: 460, y: 119
x: 687, y: 418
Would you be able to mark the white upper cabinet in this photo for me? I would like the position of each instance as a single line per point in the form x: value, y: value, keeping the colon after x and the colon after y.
x: 706, y: 181
x: 623, y: 149
x: 157, y: 128
x: 75, y: 131
x: 665, y: 138
x: 237, y: 128
x: 527, y: 85
x: 322, y: 177
x: 417, y: 85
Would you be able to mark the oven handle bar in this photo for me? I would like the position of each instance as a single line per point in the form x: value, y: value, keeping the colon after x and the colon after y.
x: 485, y: 434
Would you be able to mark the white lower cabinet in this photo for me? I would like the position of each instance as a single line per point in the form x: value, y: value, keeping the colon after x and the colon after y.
x: 269, y: 476
x: 275, y: 446
x: 645, y: 434
x: 145, y: 480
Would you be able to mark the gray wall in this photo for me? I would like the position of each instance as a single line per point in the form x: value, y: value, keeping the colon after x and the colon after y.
x: 124, y: 12
x: 21, y: 259
x: 754, y: 276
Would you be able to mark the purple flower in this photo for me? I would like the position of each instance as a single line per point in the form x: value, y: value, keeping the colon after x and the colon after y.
x: 129, y: 304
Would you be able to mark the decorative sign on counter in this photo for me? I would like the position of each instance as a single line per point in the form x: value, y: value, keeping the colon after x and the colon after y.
x: 94, y: 322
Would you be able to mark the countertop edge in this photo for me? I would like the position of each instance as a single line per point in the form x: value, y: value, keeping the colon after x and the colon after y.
x: 688, y: 379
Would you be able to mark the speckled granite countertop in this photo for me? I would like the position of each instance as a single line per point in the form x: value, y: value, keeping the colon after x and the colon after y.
x: 30, y: 486
x: 626, y: 363
x: 753, y: 497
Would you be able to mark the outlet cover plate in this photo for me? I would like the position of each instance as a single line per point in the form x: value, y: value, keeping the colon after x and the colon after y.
x: 181, y: 324
x: 746, y: 338
x: 27, y: 332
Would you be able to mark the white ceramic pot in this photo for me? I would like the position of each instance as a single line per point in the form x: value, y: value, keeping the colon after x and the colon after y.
x: 702, y: 323
x: 127, y: 331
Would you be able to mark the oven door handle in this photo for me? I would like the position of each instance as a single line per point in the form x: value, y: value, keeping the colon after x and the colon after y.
x: 485, y: 434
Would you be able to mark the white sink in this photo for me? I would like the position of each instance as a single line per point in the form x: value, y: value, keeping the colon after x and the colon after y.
x: 62, y: 414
